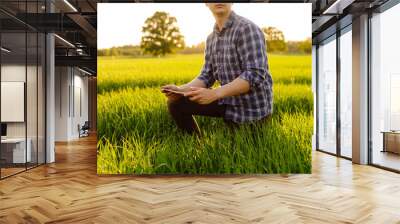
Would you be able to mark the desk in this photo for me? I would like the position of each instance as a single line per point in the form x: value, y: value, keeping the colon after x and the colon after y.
x: 391, y: 141
x: 13, y: 150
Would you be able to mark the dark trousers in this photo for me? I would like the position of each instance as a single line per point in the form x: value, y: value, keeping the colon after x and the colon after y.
x: 182, y: 111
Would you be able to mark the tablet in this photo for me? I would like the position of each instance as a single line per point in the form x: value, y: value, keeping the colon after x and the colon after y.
x: 173, y: 91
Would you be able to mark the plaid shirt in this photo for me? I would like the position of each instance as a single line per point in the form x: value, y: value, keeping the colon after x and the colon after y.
x: 238, y: 50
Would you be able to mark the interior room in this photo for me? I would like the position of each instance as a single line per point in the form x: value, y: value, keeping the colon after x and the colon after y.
x: 385, y: 89
x: 48, y: 115
x: 22, y: 98
x: 45, y: 83
x: 337, y: 85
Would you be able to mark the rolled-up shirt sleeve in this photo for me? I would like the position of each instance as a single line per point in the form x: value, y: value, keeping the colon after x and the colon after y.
x: 206, y: 74
x: 253, y: 56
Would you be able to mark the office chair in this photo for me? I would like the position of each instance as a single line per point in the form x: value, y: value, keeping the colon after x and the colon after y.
x: 84, y: 130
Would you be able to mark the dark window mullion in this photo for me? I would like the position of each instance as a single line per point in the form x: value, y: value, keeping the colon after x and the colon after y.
x: 37, y: 91
x: 338, y: 81
x: 317, y: 96
x: 45, y: 89
x: 73, y: 92
x: 0, y: 96
x: 26, y: 87
x: 369, y: 90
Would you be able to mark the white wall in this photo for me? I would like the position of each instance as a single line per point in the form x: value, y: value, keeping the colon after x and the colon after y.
x: 70, y: 83
x: 80, y: 89
x: 62, y: 81
x: 13, y: 72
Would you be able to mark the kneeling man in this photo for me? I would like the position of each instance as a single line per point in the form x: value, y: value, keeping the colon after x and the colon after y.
x: 235, y: 56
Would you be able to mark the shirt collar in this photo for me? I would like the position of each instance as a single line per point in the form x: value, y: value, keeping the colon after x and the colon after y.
x: 227, y: 24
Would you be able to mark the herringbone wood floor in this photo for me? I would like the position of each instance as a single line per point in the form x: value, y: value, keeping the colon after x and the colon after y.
x: 69, y: 191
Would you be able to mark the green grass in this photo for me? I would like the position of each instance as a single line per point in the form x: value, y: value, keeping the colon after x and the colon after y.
x: 116, y: 73
x: 137, y: 135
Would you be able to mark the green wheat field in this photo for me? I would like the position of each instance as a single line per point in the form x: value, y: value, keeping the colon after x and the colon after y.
x: 137, y: 136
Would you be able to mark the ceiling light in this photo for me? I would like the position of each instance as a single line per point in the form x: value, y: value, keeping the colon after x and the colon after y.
x: 5, y: 50
x: 79, y: 51
x: 86, y: 72
x: 64, y: 40
x: 338, y: 6
x: 70, y: 5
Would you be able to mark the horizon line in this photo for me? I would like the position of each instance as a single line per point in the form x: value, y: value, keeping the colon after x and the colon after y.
x: 126, y: 45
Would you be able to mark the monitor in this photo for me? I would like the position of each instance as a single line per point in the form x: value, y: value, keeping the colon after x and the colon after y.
x: 3, y: 129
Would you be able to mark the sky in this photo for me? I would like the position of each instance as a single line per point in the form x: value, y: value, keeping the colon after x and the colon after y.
x: 120, y: 24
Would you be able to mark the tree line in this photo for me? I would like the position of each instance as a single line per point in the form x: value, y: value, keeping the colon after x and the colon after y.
x: 161, y: 36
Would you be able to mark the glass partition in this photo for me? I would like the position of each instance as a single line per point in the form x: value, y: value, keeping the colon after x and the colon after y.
x: 385, y: 89
x: 22, y: 77
x: 34, y: 57
x: 346, y: 93
x: 41, y: 110
x: 14, y: 153
x: 327, y: 95
x: 31, y: 99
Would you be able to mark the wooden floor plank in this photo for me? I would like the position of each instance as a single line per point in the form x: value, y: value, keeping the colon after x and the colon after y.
x: 70, y: 191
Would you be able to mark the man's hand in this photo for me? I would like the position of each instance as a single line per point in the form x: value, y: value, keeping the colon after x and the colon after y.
x: 202, y: 95
x: 171, y: 95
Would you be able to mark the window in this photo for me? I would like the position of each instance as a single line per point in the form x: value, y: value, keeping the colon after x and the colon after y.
x: 346, y: 92
x: 385, y: 89
x: 327, y: 95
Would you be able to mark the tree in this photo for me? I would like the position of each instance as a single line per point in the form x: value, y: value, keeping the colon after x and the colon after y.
x: 161, y: 35
x: 194, y: 49
x: 299, y: 47
x: 103, y: 52
x: 305, y: 46
x: 114, y: 51
x: 275, y: 39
